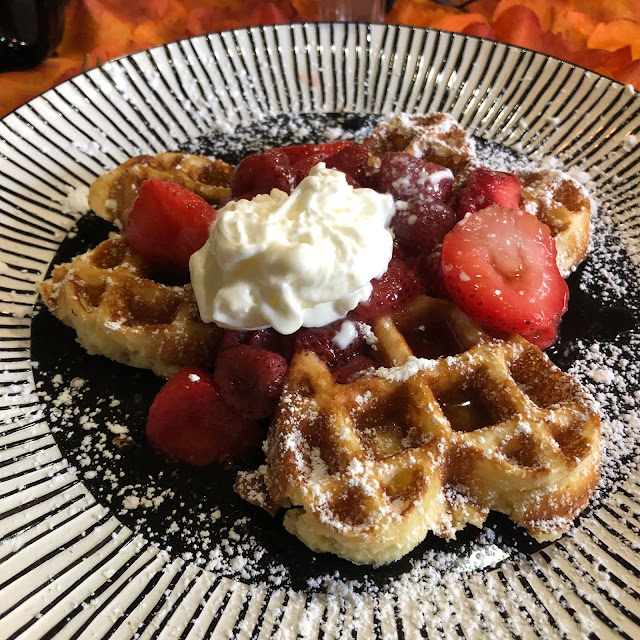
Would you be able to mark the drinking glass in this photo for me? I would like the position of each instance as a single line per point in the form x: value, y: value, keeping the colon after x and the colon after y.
x: 30, y: 30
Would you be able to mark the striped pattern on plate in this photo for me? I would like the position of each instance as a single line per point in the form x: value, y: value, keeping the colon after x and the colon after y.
x: 68, y: 567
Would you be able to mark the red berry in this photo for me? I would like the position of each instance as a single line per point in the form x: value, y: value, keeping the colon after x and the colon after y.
x: 484, y: 188
x: 542, y: 338
x: 232, y: 338
x: 397, y: 286
x: 190, y: 421
x: 268, y: 339
x: 429, y: 270
x: 421, y: 224
x: 321, y: 342
x: 353, y: 161
x: 262, y: 172
x: 500, y: 268
x: 271, y: 340
x: 250, y: 379
x: 352, y: 369
x: 302, y: 167
x: 406, y: 177
x: 166, y: 224
x: 298, y: 152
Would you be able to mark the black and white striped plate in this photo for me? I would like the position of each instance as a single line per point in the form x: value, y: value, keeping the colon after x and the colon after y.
x: 102, y: 541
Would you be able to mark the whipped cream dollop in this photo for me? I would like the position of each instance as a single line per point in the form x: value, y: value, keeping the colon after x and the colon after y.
x: 288, y: 261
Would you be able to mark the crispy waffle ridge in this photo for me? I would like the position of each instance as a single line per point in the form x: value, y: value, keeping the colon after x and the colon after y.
x: 427, y: 444
x: 112, y: 194
x: 118, y: 311
x: 553, y: 196
x: 565, y: 207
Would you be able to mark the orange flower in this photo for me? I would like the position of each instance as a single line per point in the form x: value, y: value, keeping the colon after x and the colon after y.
x: 616, y: 34
x: 542, y: 10
x: 603, y: 36
x: 249, y: 13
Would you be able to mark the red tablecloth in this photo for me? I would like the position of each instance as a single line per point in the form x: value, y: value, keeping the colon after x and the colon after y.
x: 603, y: 36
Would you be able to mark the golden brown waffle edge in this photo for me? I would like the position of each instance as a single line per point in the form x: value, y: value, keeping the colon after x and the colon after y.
x: 118, y: 311
x: 369, y: 468
x: 112, y: 194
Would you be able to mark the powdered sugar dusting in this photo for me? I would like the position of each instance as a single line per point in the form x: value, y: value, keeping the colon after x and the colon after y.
x: 219, y: 536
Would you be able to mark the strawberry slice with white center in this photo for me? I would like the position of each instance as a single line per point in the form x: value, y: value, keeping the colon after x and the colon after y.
x: 499, y: 266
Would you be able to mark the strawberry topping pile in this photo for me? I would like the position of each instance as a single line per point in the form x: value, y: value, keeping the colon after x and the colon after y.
x: 475, y: 246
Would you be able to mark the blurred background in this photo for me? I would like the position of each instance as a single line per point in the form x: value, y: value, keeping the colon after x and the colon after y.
x: 602, y: 36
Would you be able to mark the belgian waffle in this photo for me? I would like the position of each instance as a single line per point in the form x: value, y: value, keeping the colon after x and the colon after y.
x: 117, y: 310
x: 112, y: 194
x: 565, y: 207
x: 553, y: 196
x: 430, y: 444
x: 436, y: 137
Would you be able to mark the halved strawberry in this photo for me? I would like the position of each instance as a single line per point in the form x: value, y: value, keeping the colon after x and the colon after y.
x: 190, y: 421
x: 397, y: 286
x: 484, y: 188
x: 250, y: 379
x: 499, y: 265
x: 167, y: 223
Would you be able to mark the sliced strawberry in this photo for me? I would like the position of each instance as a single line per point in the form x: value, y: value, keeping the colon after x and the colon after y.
x: 190, y: 421
x: 421, y: 224
x: 484, y: 188
x: 397, y: 286
x: 250, y: 379
x: 296, y: 153
x: 322, y: 341
x: 406, y: 177
x: 499, y: 266
x: 167, y: 223
x: 351, y: 369
x: 261, y: 172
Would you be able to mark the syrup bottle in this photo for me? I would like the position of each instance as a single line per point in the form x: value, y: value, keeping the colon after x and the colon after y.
x: 30, y: 30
